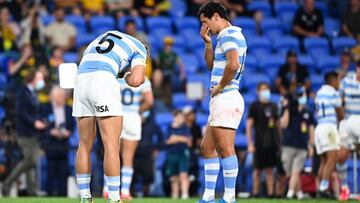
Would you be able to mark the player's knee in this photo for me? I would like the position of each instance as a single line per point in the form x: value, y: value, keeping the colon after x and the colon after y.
x: 85, y: 145
x: 207, y: 150
x: 225, y: 151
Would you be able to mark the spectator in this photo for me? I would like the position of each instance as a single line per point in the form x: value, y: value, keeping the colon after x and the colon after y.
x: 263, y: 116
x: 350, y: 25
x: 131, y: 29
x: 119, y: 8
x: 196, y: 134
x: 56, y: 58
x: 29, y: 127
x: 168, y: 61
x: 60, y: 125
x: 355, y: 51
x: 162, y: 92
x: 308, y: 21
x: 67, y: 5
x: 297, y: 124
x: 345, y: 63
x: 34, y: 33
x: 61, y: 33
x: 18, y: 69
x: 147, y: 152
x: 291, y: 74
x: 193, y: 6
x: 14, y: 8
x: 178, y: 156
x: 9, y: 31
x: 152, y: 8
x: 93, y: 7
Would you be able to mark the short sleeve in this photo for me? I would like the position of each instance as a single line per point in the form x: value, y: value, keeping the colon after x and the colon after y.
x: 228, y: 43
x: 138, y: 59
x: 147, y: 86
x: 337, y: 100
x: 252, y: 110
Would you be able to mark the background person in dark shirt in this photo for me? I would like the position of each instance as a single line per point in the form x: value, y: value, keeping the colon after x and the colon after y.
x: 291, y: 74
x: 178, y: 156
x: 263, y: 117
x: 308, y: 21
x: 297, y: 124
x: 351, y: 25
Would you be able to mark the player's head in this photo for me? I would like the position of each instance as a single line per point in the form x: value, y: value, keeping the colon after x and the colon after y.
x: 213, y: 15
x: 263, y: 91
x: 332, y: 79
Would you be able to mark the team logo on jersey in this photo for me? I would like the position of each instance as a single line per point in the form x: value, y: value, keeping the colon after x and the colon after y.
x: 102, y: 108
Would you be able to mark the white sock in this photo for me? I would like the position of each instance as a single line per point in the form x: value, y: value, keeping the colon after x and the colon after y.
x: 290, y: 194
x: 126, y: 178
x: 113, y: 183
x: 83, y: 181
x: 105, y: 187
x: 211, y: 168
x: 300, y: 195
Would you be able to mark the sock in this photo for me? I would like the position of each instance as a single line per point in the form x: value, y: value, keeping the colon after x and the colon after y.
x: 211, y: 167
x: 300, y: 194
x: 324, y: 185
x: 105, y: 187
x: 290, y: 194
x: 342, y: 171
x: 126, y: 177
x: 230, y: 170
x: 113, y: 184
x: 83, y: 181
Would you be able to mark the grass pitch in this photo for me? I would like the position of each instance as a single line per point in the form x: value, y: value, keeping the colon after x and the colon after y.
x: 159, y: 200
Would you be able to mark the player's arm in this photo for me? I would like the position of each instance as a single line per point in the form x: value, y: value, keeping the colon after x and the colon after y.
x: 209, y: 51
x: 148, y: 101
x: 136, y: 76
x: 249, y: 134
x: 231, y: 68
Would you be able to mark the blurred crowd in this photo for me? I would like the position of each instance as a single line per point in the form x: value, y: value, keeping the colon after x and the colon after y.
x: 36, y: 113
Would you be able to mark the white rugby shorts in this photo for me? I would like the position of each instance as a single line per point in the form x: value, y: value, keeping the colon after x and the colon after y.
x: 327, y: 138
x: 96, y: 94
x: 131, y: 127
x: 226, y: 110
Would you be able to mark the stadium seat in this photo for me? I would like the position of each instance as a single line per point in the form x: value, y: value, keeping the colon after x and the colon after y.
x: 190, y: 62
x: 251, y: 81
x: 259, y: 46
x: 83, y: 39
x: 283, y: 44
x: 262, y: 6
x: 286, y: 19
x: 271, y: 63
x: 187, y: 23
x: 247, y: 24
x: 204, y: 78
x: 179, y: 42
x: 160, y: 22
x: 102, y: 23
x: 179, y: 100
x: 341, y: 43
x: 77, y: 21
x: 275, y: 98
x: 251, y: 63
x: 307, y: 61
x: 249, y: 97
x: 201, y: 119
x: 205, y: 104
x: 331, y: 27
x: 139, y: 22
x: 241, y: 141
x: 71, y: 57
x: 322, y: 6
x: 316, y: 81
x: 272, y: 28
x: 2, y: 113
x: 177, y: 9
x: 47, y: 19
x: 199, y: 52
x: 285, y: 6
x: 163, y: 119
x: 327, y: 63
x: 161, y: 33
x: 316, y: 46
x: 3, y: 80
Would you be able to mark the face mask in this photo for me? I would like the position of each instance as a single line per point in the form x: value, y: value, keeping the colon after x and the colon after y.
x: 302, y: 100
x: 265, y: 95
x: 39, y: 85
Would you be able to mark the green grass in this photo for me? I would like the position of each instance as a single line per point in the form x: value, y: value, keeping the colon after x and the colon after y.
x: 158, y: 200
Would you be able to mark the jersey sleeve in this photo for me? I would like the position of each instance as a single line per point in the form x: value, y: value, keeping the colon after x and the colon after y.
x: 228, y: 43
x: 138, y: 59
x: 147, y: 86
x: 337, y: 100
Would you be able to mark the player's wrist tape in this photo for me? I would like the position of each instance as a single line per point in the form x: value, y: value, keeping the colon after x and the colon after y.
x: 208, y: 45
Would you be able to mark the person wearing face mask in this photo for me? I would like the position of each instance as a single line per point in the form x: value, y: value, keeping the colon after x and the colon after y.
x: 29, y: 127
x: 61, y: 33
x: 297, y: 126
x: 263, y: 117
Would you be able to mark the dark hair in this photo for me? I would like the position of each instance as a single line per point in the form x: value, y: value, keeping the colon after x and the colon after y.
x: 30, y: 76
x: 130, y: 21
x: 358, y: 64
x: 261, y: 84
x: 210, y: 8
x: 329, y: 76
x: 177, y: 112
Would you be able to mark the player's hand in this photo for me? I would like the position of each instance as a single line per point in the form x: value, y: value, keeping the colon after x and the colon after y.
x: 216, y: 90
x: 204, y: 33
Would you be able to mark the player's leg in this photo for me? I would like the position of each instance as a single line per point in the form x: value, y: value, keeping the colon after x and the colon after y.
x: 110, y: 129
x: 329, y: 168
x: 211, y: 165
x: 341, y: 169
x: 128, y: 149
x: 87, y: 134
x: 225, y: 138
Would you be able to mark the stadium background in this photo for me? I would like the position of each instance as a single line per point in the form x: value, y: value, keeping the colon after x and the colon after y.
x: 268, y: 42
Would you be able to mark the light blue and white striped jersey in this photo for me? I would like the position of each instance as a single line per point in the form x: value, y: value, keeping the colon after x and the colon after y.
x: 350, y: 91
x: 131, y: 97
x: 228, y: 39
x: 114, y: 52
x: 326, y: 100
